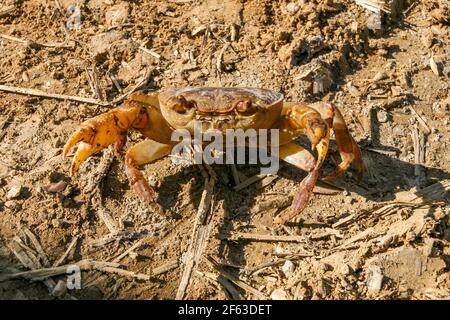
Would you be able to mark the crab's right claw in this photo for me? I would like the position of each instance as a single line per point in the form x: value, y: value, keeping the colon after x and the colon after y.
x: 98, y: 133
x: 302, y: 117
x: 347, y: 146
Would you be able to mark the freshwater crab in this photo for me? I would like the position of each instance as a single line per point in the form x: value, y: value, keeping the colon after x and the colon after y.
x: 157, y: 115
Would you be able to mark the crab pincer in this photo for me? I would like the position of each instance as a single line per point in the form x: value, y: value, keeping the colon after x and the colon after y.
x: 302, y: 119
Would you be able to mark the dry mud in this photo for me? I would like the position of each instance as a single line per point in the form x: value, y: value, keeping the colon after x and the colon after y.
x: 386, y: 237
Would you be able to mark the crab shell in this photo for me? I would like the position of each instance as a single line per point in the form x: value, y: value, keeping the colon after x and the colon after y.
x: 220, y: 108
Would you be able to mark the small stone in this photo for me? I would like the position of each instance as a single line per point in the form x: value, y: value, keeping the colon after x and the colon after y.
x: 117, y: 14
x: 279, y: 294
x: 324, y: 267
x: 427, y: 38
x: 288, y: 268
x: 346, y: 269
x: 60, y: 289
x: 382, y: 116
x: 292, y: 7
x: 348, y: 200
x: 374, y: 22
x: 133, y: 255
x: 13, y: 205
x: 398, y: 131
x: 66, y: 4
x: 323, y: 288
x: 56, y: 223
x: 14, y: 192
x: 102, y: 43
x: 374, y: 278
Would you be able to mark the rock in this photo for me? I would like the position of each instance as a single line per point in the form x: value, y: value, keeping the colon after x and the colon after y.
x: 374, y: 278
x: 382, y: 116
x: 13, y: 205
x: 4, y: 172
x: 133, y: 255
x: 374, y: 22
x: 292, y: 8
x: 60, y: 289
x: 66, y: 4
x: 288, y: 268
x: 345, y: 269
x: 279, y: 294
x: 102, y: 43
x: 323, y: 289
x: 348, y: 200
x: 56, y: 223
x: 398, y: 131
x: 14, y: 192
x: 117, y: 15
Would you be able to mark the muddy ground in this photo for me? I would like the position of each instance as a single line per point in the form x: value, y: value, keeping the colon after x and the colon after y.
x: 386, y: 237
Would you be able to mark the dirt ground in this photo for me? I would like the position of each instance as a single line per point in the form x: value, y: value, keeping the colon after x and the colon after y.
x: 386, y: 237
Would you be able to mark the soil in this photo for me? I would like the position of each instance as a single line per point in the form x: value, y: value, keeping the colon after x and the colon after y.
x: 391, y: 84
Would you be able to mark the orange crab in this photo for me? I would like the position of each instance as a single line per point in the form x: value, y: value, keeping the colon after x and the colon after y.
x: 157, y: 115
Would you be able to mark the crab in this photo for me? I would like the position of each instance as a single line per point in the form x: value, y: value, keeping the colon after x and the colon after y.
x: 157, y: 114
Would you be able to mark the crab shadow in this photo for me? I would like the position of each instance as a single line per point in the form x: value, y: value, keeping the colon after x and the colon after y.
x: 384, y: 177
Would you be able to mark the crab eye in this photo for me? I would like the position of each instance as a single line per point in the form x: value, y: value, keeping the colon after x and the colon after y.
x: 180, y: 105
x: 245, y: 106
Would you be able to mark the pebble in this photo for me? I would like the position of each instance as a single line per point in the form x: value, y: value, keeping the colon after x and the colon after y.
x: 14, y: 192
x: 279, y: 294
x: 13, y: 205
x: 56, y: 223
x: 382, y: 116
x: 288, y: 268
x: 60, y: 289
x: 398, y: 131
x: 117, y: 14
x: 346, y: 269
x: 323, y: 289
x: 133, y: 255
x: 292, y: 7
x: 348, y: 200
x: 374, y: 278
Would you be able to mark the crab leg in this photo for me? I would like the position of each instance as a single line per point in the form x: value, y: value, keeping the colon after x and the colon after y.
x: 99, y: 132
x: 296, y: 120
x: 141, y: 153
x: 347, y: 146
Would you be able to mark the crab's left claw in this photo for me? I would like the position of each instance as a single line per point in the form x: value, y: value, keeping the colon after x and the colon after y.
x: 99, y: 132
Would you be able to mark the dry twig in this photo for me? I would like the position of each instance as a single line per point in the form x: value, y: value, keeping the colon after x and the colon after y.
x: 200, y: 235
x: 39, y: 93
x: 235, y: 236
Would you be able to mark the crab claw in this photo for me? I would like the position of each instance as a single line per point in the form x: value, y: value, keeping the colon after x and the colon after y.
x: 309, y: 121
x: 99, y: 132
